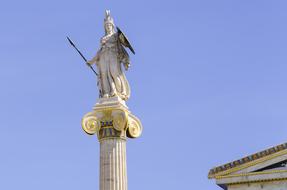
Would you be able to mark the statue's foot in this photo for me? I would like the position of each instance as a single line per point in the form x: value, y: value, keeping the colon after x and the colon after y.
x: 105, y: 95
x: 113, y: 93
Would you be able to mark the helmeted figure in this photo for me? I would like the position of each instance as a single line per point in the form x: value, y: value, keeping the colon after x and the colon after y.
x: 111, y: 79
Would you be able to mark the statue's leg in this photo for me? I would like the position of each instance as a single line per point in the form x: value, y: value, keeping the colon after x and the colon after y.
x: 104, y: 75
x: 105, y: 85
x: 113, y: 90
x: 113, y: 77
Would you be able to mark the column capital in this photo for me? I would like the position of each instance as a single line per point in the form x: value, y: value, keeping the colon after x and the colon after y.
x: 111, y: 118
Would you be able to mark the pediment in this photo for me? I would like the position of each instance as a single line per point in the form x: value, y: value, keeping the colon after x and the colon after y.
x: 270, y: 159
x: 272, y: 162
x: 277, y: 166
x: 269, y: 164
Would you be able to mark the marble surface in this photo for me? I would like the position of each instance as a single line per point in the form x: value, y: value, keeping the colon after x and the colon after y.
x: 113, y: 167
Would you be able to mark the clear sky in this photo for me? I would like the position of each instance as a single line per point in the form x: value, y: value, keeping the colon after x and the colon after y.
x: 208, y: 83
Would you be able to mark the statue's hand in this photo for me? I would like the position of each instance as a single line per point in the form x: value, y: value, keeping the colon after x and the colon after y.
x: 103, y: 40
x: 127, y: 66
x: 89, y: 63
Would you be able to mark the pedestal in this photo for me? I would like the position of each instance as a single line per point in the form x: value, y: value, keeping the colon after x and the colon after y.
x: 113, y: 123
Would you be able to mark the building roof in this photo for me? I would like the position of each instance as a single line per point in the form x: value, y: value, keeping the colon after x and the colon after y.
x: 219, y: 169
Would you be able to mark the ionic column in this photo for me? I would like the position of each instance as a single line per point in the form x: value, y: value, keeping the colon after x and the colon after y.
x: 113, y: 175
x: 112, y: 124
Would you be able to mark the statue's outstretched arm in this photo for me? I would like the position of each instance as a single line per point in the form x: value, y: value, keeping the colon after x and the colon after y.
x: 95, y: 59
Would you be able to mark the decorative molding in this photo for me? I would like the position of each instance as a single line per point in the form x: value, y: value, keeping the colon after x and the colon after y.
x: 248, y: 161
x: 110, y: 118
x: 90, y: 123
x: 111, y: 132
x: 134, y: 127
x: 257, y: 181
x: 251, y: 174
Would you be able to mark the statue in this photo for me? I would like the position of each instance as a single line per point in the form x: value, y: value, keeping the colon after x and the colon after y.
x: 111, y: 78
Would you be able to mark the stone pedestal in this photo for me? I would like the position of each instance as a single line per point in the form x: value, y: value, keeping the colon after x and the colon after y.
x: 113, y: 123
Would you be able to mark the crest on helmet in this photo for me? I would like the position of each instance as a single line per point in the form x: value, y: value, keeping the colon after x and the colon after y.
x: 108, y: 18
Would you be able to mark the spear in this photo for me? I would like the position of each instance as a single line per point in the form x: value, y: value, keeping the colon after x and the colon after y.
x: 71, y: 42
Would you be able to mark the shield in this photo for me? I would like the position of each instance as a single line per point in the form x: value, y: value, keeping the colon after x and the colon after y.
x: 124, y: 40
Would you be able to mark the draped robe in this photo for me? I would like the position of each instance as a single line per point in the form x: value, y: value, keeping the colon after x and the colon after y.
x: 111, y: 78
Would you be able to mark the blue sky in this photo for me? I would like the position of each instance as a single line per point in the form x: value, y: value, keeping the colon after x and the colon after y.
x: 208, y: 83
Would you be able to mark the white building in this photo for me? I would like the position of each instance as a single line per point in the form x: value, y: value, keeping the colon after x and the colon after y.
x: 265, y: 170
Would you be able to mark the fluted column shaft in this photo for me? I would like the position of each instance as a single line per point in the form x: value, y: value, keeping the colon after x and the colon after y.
x: 113, y: 175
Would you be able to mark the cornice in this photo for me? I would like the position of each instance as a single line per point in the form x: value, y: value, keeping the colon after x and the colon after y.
x: 248, y: 161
